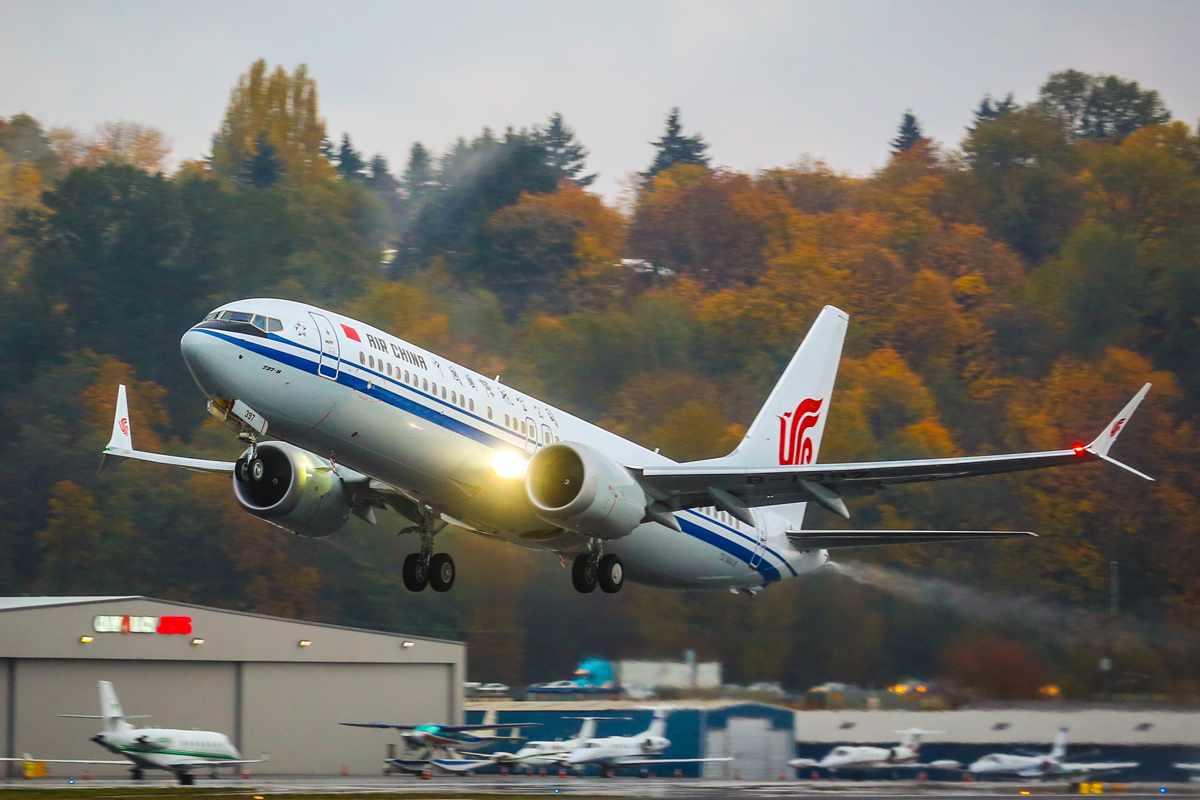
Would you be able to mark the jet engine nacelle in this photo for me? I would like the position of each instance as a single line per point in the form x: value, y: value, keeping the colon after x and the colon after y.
x: 291, y: 488
x: 574, y: 487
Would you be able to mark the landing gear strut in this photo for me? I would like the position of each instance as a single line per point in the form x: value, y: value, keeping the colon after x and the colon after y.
x: 593, y: 569
x: 186, y: 779
x: 426, y: 568
x: 136, y: 774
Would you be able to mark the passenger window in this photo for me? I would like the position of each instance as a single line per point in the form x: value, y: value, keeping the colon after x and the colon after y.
x: 425, y: 384
x: 443, y: 392
x: 362, y: 358
x: 471, y: 404
x: 274, y: 325
x: 489, y: 412
x: 406, y: 376
x: 454, y: 398
x: 371, y: 359
x: 506, y: 420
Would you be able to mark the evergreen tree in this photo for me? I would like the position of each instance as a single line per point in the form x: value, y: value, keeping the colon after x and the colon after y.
x: 675, y: 148
x: 566, y: 155
x: 908, y: 135
x: 379, y: 177
x: 350, y: 162
x: 418, y: 176
x: 263, y: 169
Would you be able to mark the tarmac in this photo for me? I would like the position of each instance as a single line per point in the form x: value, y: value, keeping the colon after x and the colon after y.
x: 667, y: 789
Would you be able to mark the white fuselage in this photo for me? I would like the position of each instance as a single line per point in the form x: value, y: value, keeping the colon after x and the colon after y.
x: 405, y: 416
x: 1009, y: 764
x: 613, y: 750
x: 867, y: 757
x: 167, y: 748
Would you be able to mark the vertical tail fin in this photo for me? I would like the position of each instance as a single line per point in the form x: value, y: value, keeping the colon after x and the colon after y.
x: 790, y: 424
x: 659, y: 726
x: 588, y: 729
x: 1060, y: 744
x: 110, y: 708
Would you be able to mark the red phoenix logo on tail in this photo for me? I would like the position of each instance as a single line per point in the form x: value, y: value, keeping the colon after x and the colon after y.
x: 124, y: 425
x: 795, y: 443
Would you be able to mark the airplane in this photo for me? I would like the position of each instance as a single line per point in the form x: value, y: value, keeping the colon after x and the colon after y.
x: 424, y: 742
x: 1044, y: 765
x: 642, y: 749
x: 904, y: 755
x: 546, y: 753
x: 175, y: 750
x: 339, y: 417
x: 1193, y: 770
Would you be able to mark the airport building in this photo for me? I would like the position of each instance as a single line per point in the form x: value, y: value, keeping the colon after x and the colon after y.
x: 274, y: 686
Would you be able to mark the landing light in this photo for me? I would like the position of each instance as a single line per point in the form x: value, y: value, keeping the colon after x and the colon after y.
x: 509, y: 464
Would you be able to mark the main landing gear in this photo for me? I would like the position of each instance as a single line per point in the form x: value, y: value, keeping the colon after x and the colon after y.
x: 136, y: 774
x: 426, y: 568
x: 592, y: 569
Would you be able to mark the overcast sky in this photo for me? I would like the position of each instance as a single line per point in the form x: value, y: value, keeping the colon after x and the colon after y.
x: 766, y: 83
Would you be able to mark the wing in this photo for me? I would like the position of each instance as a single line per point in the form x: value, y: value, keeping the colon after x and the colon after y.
x: 461, y: 764
x: 120, y: 444
x: 448, y: 728
x: 737, y: 489
x: 633, y: 762
x: 836, y: 540
x: 214, y: 763
x: 28, y: 758
x: 1098, y: 768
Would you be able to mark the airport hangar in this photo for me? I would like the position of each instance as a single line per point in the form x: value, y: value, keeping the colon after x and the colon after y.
x: 274, y: 686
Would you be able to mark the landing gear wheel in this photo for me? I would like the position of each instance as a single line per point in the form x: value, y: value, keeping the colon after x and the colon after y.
x: 136, y: 775
x: 583, y: 573
x: 611, y: 574
x: 441, y: 572
x: 186, y: 779
x: 415, y: 572
x: 257, y: 469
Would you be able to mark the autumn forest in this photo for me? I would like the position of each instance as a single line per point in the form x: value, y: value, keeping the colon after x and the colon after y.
x: 1008, y: 291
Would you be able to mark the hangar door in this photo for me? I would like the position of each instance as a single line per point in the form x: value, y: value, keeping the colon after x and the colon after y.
x: 759, y: 752
x: 176, y: 694
x: 291, y: 711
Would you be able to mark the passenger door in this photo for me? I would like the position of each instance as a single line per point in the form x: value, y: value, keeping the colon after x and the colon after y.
x: 331, y: 349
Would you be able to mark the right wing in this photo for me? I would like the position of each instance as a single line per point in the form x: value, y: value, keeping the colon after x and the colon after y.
x: 736, y: 489
x: 120, y: 444
x: 835, y: 539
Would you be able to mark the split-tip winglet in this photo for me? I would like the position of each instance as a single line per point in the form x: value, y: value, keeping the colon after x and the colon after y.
x: 1100, y: 446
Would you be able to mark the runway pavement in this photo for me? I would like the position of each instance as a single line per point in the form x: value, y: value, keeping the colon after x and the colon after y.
x: 668, y: 789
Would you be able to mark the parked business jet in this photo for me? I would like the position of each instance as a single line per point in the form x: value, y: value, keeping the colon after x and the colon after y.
x: 340, y: 417
x: 904, y: 755
x: 532, y: 754
x: 643, y: 749
x: 178, y: 751
x: 1193, y: 770
x: 1043, y: 766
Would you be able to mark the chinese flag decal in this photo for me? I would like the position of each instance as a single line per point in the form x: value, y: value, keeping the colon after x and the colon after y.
x: 350, y: 333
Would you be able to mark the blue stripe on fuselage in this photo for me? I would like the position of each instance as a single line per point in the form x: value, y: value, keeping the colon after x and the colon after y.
x: 373, y: 389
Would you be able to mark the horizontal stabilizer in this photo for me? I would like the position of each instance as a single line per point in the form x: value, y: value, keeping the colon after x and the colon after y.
x: 838, y: 539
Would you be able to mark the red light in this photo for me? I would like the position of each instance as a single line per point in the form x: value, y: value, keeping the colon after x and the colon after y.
x: 175, y: 625
x: 1079, y: 448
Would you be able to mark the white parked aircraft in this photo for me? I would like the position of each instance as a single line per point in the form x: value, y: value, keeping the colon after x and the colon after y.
x: 178, y: 751
x: 643, y: 749
x: 1044, y: 766
x: 531, y: 754
x: 1193, y: 770
x: 341, y: 417
x: 904, y: 755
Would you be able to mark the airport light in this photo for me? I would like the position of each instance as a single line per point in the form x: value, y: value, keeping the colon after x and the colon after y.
x: 304, y: 643
x: 197, y: 642
x: 85, y: 639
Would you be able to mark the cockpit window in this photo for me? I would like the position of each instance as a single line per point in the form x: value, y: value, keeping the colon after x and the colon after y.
x: 263, y: 323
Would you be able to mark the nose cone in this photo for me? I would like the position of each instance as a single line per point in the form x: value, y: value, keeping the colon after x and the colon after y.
x: 200, y: 354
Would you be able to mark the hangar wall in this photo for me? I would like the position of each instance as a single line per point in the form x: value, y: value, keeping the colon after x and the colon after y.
x: 242, y: 674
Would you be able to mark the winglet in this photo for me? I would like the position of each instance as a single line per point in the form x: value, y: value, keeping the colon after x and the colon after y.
x: 1104, y: 442
x: 121, y: 440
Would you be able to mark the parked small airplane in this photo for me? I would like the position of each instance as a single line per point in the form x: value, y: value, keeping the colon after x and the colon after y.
x: 178, y: 751
x: 361, y: 420
x: 539, y: 754
x: 444, y: 746
x: 643, y: 749
x: 1043, y: 765
x: 1193, y: 770
x: 904, y: 755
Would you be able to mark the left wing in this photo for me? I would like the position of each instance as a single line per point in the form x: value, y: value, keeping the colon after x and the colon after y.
x: 633, y: 762
x: 215, y: 762
x: 1091, y: 769
x: 736, y: 489
x: 446, y: 728
x: 30, y: 758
